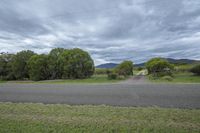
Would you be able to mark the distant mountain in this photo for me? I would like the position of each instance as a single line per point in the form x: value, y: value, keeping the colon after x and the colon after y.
x: 171, y: 60
x: 107, y: 65
x: 139, y: 65
x: 181, y: 61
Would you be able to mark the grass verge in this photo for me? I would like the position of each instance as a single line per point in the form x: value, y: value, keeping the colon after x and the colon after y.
x: 2, y: 81
x: 40, y: 118
x: 93, y: 79
x: 185, y: 77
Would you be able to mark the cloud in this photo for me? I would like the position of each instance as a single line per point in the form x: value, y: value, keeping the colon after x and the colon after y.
x: 111, y: 31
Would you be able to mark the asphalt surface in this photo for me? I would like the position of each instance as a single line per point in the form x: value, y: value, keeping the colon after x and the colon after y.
x: 121, y: 94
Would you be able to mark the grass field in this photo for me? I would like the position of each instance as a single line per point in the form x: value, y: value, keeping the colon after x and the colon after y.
x: 40, y: 118
x: 2, y: 81
x: 185, y: 77
x: 93, y: 79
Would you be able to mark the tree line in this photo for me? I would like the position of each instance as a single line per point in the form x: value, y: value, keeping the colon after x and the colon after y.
x: 158, y: 67
x: 75, y: 63
x: 59, y: 63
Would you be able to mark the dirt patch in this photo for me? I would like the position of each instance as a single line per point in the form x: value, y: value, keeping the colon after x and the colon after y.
x: 136, y: 80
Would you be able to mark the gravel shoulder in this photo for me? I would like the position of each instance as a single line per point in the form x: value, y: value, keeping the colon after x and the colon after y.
x: 136, y: 80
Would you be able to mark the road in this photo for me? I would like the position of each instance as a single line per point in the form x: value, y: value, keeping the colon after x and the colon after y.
x: 120, y: 94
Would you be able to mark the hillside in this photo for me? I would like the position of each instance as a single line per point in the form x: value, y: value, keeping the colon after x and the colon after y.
x: 107, y: 65
x: 181, y: 61
x: 171, y: 60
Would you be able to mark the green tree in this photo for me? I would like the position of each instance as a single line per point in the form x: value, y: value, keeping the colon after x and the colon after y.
x: 6, y: 66
x: 55, y: 63
x: 196, y: 69
x: 125, y: 68
x: 38, y: 67
x: 19, y: 65
x: 159, y: 67
x: 77, y: 64
x: 3, y: 65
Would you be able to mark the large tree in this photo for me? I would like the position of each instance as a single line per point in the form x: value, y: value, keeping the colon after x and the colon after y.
x: 19, y: 65
x: 159, y: 67
x: 6, y: 72
x: 125, y: 68
x: 55, y: 63
x: 77, y: 64
x: 38, y: 67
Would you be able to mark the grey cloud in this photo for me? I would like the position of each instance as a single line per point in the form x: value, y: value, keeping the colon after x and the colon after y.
x: 111, y: 31
x: 13, y: 22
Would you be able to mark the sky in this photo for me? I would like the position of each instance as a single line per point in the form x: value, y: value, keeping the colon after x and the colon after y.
x: 110, y: 30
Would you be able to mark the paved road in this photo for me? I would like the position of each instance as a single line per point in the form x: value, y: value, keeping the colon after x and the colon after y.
x: 163, y: 95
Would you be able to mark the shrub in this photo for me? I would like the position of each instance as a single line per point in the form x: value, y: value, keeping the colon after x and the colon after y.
x: 168, y: 78
x: 100, y: 71
x: 196, y: 69
x: 125, y: 68
x: 152, y: 77
x: 112, y: 75
x: 140, y: 68
x: 159, y: 67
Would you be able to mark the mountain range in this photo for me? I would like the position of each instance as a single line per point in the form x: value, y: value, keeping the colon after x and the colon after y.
x: 107, y: 65
x: 171, y: 60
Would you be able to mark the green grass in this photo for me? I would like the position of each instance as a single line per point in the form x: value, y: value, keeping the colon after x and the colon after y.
x: 184, y: 68
x: 185, y: 77
x: 2, y: 81
x: 93, y: 79
x: 40, y: 118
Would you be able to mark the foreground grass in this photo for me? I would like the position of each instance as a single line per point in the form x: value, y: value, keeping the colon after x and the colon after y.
x: 2, y: 81
x: 180, y: 78
x: 40, y: 118
x: 93, y: 79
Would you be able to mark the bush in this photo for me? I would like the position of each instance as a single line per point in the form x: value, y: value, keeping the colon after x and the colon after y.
x: 159, y: 67
x: 162, y: 74
x: 168, y: 78
x: 140, y: 68
x: 196, y: 69
x: 152, y: 77
x: 125, y: 68
x: 101, y: 71
x: 112, y: 75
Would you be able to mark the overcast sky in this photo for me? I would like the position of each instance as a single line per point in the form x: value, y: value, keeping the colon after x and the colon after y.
x: 110, y: 30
